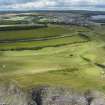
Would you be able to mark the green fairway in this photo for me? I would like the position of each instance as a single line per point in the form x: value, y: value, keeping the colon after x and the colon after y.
x: 58, y: 36
x: 41, y: 44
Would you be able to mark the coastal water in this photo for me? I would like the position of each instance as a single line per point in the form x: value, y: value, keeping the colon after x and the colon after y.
x: 98, y: 17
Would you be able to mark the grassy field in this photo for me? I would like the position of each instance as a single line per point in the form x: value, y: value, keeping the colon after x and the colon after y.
x: 36, y: 33
x: 76, y: 65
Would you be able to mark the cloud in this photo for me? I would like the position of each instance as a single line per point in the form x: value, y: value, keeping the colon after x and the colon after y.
x: 51, y: 4
x: 34, y: 4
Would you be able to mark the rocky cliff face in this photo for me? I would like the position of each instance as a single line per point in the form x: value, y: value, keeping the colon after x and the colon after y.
x: 12, y: 95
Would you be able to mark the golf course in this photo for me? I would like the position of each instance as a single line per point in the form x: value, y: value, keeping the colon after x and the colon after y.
x: 58, y: 55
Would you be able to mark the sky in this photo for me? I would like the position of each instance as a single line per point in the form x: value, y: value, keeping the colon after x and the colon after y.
x: 52, y: 5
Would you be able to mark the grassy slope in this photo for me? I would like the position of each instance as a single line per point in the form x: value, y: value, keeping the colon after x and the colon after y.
x: 64, y: 65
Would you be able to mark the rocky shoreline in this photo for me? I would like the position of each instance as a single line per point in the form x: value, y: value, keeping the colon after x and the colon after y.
x: 45, y: 95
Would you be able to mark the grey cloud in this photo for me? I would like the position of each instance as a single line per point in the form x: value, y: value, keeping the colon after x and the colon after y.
x: 51, y: 4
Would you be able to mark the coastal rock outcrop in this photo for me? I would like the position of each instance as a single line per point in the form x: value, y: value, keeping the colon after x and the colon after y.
x: 44, y: 95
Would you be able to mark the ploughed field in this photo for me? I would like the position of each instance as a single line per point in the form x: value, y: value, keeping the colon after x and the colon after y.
x: 69, y: 56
